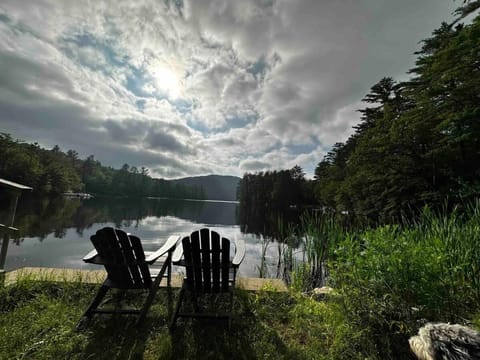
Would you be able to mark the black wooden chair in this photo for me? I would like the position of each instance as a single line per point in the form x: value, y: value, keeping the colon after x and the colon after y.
x: 211, y: 264
x: 128, y: 267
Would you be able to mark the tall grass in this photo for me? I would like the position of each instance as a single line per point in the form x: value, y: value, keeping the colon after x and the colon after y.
x: 285, y: 241
x: 394, y: 278
x: 304, y: 249
x: 321, y: 233
x: 262, y: 268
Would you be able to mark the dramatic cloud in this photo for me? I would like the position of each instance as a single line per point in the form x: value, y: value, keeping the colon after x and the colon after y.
x: 201, y: 86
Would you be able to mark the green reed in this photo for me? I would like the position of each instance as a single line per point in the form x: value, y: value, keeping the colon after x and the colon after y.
x: 395, y: 276
x: 303, y: 249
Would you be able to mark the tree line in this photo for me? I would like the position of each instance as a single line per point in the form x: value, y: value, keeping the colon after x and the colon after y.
x: 417, y: 143
x: 55, y: 172
x: 266, y: 196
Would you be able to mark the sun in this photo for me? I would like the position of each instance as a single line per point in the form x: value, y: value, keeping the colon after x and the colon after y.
x: 167, y: 81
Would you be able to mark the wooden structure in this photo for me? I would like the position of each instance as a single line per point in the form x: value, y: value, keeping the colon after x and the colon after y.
x: 210, y: 269
x: 128, y: 267
x: 6, y: 229
x: 98, y: 276
x: 78, y: 195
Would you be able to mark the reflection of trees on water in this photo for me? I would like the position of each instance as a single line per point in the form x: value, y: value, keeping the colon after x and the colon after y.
x: 265, y: 198
x: 267, y: 224
x: 42, y: 216
x: 289, y: 237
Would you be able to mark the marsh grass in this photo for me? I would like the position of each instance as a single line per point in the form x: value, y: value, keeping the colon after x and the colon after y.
x: 320, y: 234
x: 304, y: 249
x: 262, y: 268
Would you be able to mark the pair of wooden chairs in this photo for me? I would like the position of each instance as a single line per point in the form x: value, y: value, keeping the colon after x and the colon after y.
x: 210, y: 261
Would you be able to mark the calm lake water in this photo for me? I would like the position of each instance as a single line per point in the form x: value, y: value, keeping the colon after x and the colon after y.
x: 55, y: 232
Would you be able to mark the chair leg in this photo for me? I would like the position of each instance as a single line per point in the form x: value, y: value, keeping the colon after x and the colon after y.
x: 92, y: 307
x: 177, y: 309
x: 197, y: 308
x: 146, y: 306
x: 151, y: 293
x: 96, y: 301
x: 167, y: 266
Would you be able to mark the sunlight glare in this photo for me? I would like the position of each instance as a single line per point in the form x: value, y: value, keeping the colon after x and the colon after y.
x: 167, y: 81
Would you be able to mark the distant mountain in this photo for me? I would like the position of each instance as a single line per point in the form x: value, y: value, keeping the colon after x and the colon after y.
x: 216, y: 187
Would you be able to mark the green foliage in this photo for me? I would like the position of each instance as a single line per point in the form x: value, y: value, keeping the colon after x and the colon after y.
x: 392, y: 277
x: 468, y: 7
x: 418, y: 141
x: 45, y: 170
x: 325, y: 322
x: 388, y: 281
x: 56, y: 172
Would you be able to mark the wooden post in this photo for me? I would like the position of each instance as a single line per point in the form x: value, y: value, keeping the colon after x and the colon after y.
x: 5, y: 230
x: 3, y: 255
x: 5, y: 241
x: 13, y: 207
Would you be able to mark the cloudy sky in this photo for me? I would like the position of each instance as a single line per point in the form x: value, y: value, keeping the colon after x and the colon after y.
x: 201, y: 86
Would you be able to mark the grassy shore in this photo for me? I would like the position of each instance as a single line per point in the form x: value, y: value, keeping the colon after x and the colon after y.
x: 38, y: 322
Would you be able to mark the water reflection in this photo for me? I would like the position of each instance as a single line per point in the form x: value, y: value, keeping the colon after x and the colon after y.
x: 55, y: 232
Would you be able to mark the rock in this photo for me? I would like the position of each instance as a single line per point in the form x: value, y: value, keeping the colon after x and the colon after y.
x: 324, y: 290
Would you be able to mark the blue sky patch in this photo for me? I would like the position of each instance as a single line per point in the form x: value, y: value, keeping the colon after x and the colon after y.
x: 136, y: 82
x: 258, y: 68
x: 183, y: 106
x: 305, y: 148
x: 140, y: 104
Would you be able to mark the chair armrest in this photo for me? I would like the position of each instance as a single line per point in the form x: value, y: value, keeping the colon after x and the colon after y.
x: 93, y: 258
x: 177, y: 254
x: 168, y: 246
x: 239, y: 253
x: 90, y: 255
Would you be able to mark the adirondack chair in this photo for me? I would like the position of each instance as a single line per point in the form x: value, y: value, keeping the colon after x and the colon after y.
x: 127, y: 267
x: 210, y: 269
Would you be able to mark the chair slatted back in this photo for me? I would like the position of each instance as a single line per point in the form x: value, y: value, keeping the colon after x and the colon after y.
x: 207, y: 261
x: 123, y: 258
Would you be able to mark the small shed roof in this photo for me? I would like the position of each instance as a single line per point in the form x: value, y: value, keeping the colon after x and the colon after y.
x: 13, y: 185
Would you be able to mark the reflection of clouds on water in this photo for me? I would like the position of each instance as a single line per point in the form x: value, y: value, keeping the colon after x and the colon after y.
x: 153, y: 225
x: 154, y: 231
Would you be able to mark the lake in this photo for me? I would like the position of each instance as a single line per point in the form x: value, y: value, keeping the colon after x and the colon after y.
x: 55, y: 232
